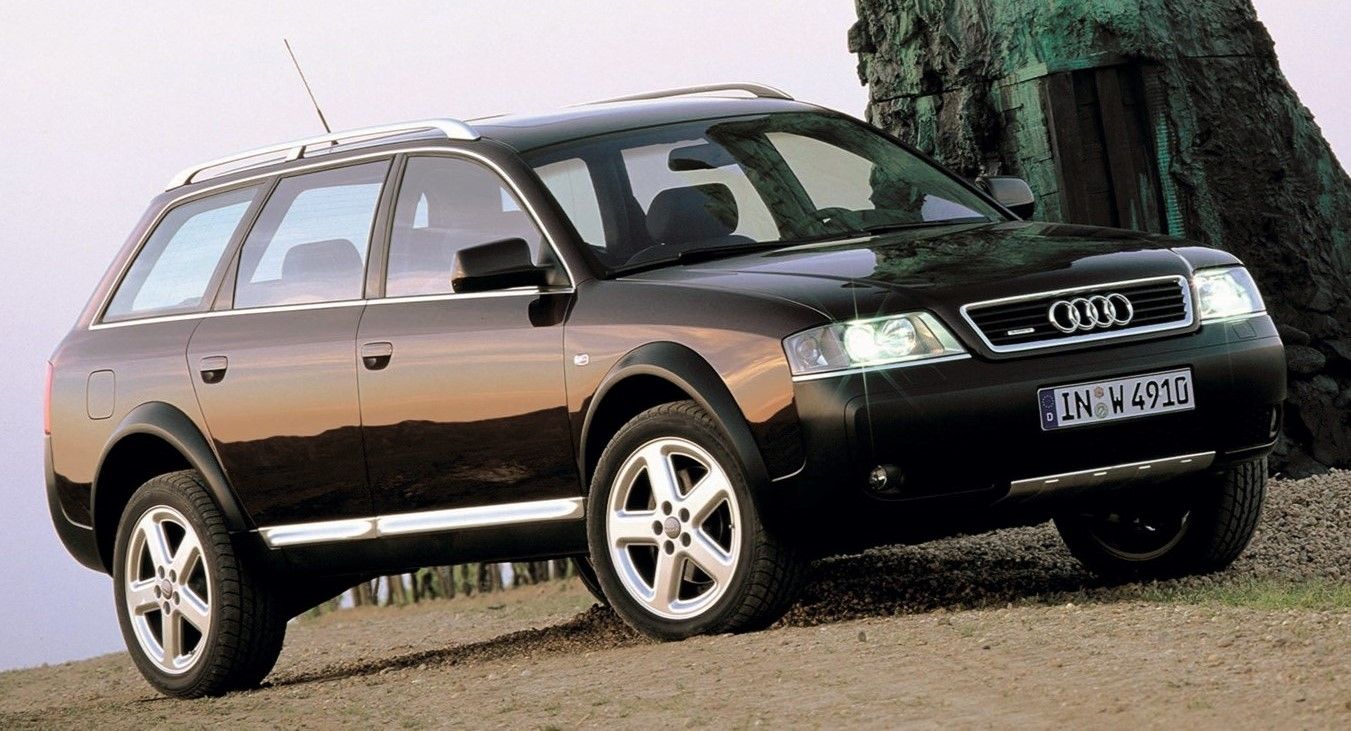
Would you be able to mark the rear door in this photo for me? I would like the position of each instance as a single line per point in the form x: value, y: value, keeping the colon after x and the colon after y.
x: 276, y: 372
x: 462, y: 394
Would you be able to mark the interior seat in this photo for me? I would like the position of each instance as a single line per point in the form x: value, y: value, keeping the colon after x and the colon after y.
x: 698, y: 214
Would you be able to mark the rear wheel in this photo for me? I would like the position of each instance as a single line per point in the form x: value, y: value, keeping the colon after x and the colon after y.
x: 196, y: 621
x: 1190, y: 526
x: 675, y: 539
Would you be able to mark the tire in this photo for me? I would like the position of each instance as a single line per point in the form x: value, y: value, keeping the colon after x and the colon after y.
x: 221, y: 631
x: 1192, y: 526
x: 700, y: 539
x: 586, y: 573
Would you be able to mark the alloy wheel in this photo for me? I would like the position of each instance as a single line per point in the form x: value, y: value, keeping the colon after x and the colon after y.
x: 168, y: 590
x: 672, y: 528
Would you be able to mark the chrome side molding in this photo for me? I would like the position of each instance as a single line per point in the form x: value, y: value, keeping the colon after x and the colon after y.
x: 1147, y: 471
x: 432, y: 521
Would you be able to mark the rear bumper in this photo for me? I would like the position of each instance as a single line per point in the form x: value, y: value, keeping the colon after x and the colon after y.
x: 78, y: 539
x: 971, y: 427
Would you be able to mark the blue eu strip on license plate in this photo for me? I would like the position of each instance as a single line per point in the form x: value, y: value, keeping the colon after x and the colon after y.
x: 1083, y: 404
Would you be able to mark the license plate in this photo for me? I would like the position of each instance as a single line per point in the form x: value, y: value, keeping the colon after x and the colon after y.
x: 1083, y: 404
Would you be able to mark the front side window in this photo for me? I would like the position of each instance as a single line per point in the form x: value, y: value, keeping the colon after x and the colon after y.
x: 311, y: 239
x: 173, y: 270
x: 753, y: 181
x: 446, y: 204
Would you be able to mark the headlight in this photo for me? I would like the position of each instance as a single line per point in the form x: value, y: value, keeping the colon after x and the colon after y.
x: 1226, y: 292
x: 877, y: 341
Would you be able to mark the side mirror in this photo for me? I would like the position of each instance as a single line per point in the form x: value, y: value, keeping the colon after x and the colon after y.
x: 1013, y: 193
x: 496, y: 265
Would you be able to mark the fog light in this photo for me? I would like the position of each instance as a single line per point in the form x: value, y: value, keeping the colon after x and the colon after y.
x: 877, y: 479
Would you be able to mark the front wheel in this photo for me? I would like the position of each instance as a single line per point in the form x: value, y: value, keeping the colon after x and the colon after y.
x: 196, y: 620
x: 674, y: 535
x: 1190, y: 526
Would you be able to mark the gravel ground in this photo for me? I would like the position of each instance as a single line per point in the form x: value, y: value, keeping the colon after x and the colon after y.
x: 999, y: 629
x: 1305, y: 534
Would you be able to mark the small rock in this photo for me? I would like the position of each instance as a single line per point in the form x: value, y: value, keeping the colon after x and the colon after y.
x: 1342, y: 348
x: 1325, y: 384
x: 1344, y: 400
x: 862, y: 636
x: 1304, y: 360
x: 1293, y: 335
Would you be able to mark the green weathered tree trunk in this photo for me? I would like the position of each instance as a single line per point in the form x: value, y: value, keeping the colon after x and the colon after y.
x: 1226, y: 154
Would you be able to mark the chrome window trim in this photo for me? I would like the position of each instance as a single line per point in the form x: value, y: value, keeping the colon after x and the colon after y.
x: 883, y: 367
x: 1187, y: 303
x: 101, y: 312
x: 430, y: 521
x: 449, y: 296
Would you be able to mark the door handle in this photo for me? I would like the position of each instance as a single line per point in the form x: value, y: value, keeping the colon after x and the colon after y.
x: 213, y: 368
x: 375, y: 356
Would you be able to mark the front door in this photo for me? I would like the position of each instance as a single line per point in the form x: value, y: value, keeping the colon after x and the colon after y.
x: 276, y: 375
x: 462, y: 395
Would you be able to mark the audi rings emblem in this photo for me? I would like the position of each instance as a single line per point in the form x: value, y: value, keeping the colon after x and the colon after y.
x: 1082, y: 314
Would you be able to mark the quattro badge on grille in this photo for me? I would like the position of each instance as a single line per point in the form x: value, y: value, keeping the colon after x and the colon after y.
x: 1082, y: 314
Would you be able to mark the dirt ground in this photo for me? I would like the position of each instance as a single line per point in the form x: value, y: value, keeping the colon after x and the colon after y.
x: 996, y: 630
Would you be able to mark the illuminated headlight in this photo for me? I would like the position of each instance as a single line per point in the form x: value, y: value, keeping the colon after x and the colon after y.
x: 877, y: 341
x: 1226, y: 292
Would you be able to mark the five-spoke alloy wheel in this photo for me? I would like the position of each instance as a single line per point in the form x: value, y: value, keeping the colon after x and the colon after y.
x: 197, y: 618
x: 675, y: 538
x: 671, y: 529
x: 168, y: 590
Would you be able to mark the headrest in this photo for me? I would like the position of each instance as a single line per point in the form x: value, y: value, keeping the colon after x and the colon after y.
x: 329, y: 259
x: 694, y: 213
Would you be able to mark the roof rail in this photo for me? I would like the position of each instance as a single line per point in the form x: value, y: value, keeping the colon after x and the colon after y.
x: 453, y: 129
x: 760, y: 91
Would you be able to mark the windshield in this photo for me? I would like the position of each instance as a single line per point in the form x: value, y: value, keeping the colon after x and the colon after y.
x: 719, y: 186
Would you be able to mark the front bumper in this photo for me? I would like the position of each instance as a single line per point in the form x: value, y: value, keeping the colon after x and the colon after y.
x: 971, y: 427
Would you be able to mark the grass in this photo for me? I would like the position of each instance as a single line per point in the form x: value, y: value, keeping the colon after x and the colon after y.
x: 1263, y: 594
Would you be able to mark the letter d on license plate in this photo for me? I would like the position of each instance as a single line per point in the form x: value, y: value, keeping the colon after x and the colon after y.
x: 1121, y: 398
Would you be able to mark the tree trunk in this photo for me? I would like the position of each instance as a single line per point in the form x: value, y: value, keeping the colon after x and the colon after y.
x: 446, y: 581
x: 398, y: 596
x: 1151, y: 114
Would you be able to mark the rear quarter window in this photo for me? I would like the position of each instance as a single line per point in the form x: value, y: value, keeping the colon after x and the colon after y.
x: 172, y: 271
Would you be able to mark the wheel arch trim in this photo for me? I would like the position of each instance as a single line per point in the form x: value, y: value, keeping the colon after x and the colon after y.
x: 170, y: 425
x: 691, y: 373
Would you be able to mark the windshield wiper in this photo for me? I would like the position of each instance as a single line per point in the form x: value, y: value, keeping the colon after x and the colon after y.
x: 707, y: 253
x: 883, y: 228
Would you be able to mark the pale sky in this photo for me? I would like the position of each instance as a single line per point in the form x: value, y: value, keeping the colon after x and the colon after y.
x: 101, y: 102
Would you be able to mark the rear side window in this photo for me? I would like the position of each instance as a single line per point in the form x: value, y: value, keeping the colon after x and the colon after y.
x: 172, y: 271
x: 311, y: 240
x: 446, y: 204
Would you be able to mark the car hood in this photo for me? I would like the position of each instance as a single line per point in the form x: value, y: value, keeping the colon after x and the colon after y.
x: 942, y: 268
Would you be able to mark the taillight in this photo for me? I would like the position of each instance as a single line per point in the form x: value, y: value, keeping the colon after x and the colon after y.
x: 47, y: 402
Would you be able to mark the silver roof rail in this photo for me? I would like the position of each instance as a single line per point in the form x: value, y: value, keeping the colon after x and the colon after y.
x: 760, y: 91
x: 453, y: 129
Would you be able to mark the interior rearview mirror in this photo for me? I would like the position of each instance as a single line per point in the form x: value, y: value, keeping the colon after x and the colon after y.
x: 1013, y: 193
x: 496, y: 265
x: 702, y: 156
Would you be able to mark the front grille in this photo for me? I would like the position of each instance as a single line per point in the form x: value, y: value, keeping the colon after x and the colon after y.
x: 1022, y: 323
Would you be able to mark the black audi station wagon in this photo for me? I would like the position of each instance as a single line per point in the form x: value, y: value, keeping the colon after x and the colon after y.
x: 692, y: 339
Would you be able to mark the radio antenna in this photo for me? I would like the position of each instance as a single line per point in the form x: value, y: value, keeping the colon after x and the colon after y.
x: 308, y: 90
